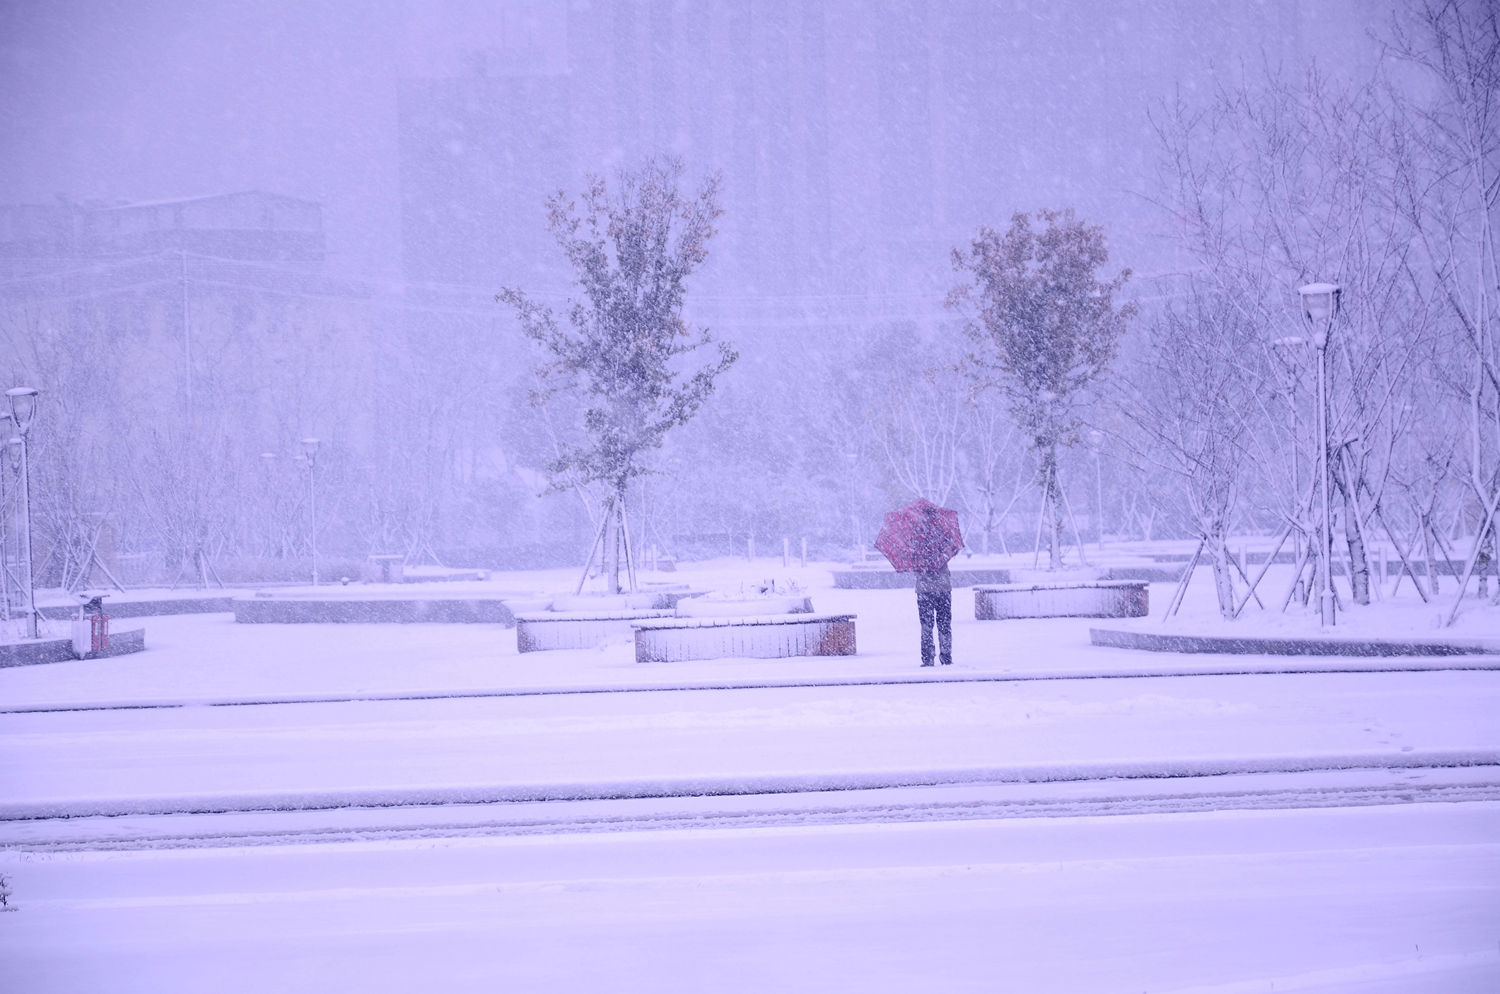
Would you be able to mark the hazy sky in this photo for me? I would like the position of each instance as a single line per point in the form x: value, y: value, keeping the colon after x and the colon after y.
x: 157, y: 99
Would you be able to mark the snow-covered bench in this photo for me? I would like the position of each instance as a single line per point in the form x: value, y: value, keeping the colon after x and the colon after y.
x: 540, y: 630
x: 767, y: 636
x: 1083, y: 599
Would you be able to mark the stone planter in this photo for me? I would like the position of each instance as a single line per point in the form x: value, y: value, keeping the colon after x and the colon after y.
x: 711, y: 607
x: 1085, y: 599
x: 586, y: 621
x: 872, y: 577
x: 762, y: 637
x: 360, y: 607
x: 545, y: 630
x: 31, y: 652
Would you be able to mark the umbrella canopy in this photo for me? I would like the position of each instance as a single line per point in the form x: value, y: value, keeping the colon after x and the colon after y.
x: 920, y: 537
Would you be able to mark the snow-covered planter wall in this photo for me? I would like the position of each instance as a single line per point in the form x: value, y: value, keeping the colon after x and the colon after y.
x: 577, y: 629
x: 870, y: 576
x: 595, y: 603
x: 31, y: 652
x: 370, y: 607
x: 763, y: 637
x: 723, y: 606
x: 1092, y: 599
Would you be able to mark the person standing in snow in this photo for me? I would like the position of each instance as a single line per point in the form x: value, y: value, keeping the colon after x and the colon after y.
x: 919, y: 539
x: 935, y: 610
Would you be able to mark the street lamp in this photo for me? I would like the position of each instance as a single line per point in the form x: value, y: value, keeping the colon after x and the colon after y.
x: 7, y: 429
x: 310, y: 450
x: 22, y: 411
x: 1096, y: 439
x: 1320, y: 303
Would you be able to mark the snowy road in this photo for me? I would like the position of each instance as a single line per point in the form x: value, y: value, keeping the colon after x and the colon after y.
x: 1375, y: 900
x: 962, y: 802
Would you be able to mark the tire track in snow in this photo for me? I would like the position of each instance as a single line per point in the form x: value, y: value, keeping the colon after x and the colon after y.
x: 416, y: 821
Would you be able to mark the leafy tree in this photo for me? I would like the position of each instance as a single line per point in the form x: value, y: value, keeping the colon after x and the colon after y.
x: 1042, y: 326
x: 624, y: 351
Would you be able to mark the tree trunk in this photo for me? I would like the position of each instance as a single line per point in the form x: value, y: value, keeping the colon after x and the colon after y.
x: 1432, y: 567
x: 1223, y: 575
x: 1359, y: 562
x: 612, y: 542
x: 1052, y: 507
x: 1482, y: 571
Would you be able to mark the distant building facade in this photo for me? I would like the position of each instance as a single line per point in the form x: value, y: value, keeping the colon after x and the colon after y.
x: 250, y: 226
x: 858, y: 145
x: 175, y: 342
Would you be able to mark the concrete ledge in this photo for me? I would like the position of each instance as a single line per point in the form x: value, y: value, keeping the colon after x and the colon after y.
x: 1150, y: 574
x: 1083, y: 599
x: 33, y: 652
x: 1282, y: 646
x: 543, y: 630
x: 374, y: 610
x: 772, y: 636
x: 121, y: 643
x: 885, y: 578
x: 147, y: 608
x: 703, y: 607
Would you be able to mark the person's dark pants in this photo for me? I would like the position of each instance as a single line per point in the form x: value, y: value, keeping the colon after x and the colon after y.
x: 936, y: 609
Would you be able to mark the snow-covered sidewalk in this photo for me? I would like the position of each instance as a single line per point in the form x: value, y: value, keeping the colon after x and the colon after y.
x: 198, y: 659
x: 770, y: 740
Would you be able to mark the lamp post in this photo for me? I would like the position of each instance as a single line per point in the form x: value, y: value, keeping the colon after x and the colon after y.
x: 310, y: 450
x: 7, y: 429
x: 1096, y: 440
x: 15, y: 562
x: 22, y: 411
x: 1320, y: 302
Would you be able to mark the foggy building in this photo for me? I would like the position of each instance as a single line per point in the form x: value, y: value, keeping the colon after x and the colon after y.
x: 856, y: 151
x: 201, y: 329
x: 250, y: 225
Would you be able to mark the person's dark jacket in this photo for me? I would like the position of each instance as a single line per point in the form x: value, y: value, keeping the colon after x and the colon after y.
x: 935, y: 582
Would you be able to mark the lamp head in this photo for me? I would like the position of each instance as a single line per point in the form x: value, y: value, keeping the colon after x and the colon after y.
x: 1320, y: 302
x: 310, y: 448
x: 22, y: 406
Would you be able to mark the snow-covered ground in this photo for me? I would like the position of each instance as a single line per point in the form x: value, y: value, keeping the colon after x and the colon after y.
x: 385, y: 807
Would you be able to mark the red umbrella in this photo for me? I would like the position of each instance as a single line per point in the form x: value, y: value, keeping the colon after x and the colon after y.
x: 920, y: 537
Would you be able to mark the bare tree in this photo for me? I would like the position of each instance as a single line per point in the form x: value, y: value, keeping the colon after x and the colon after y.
x: 1274, y: 185
x: 1188, y: 401
x: 1444, y: 142
x: 992, y: 470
